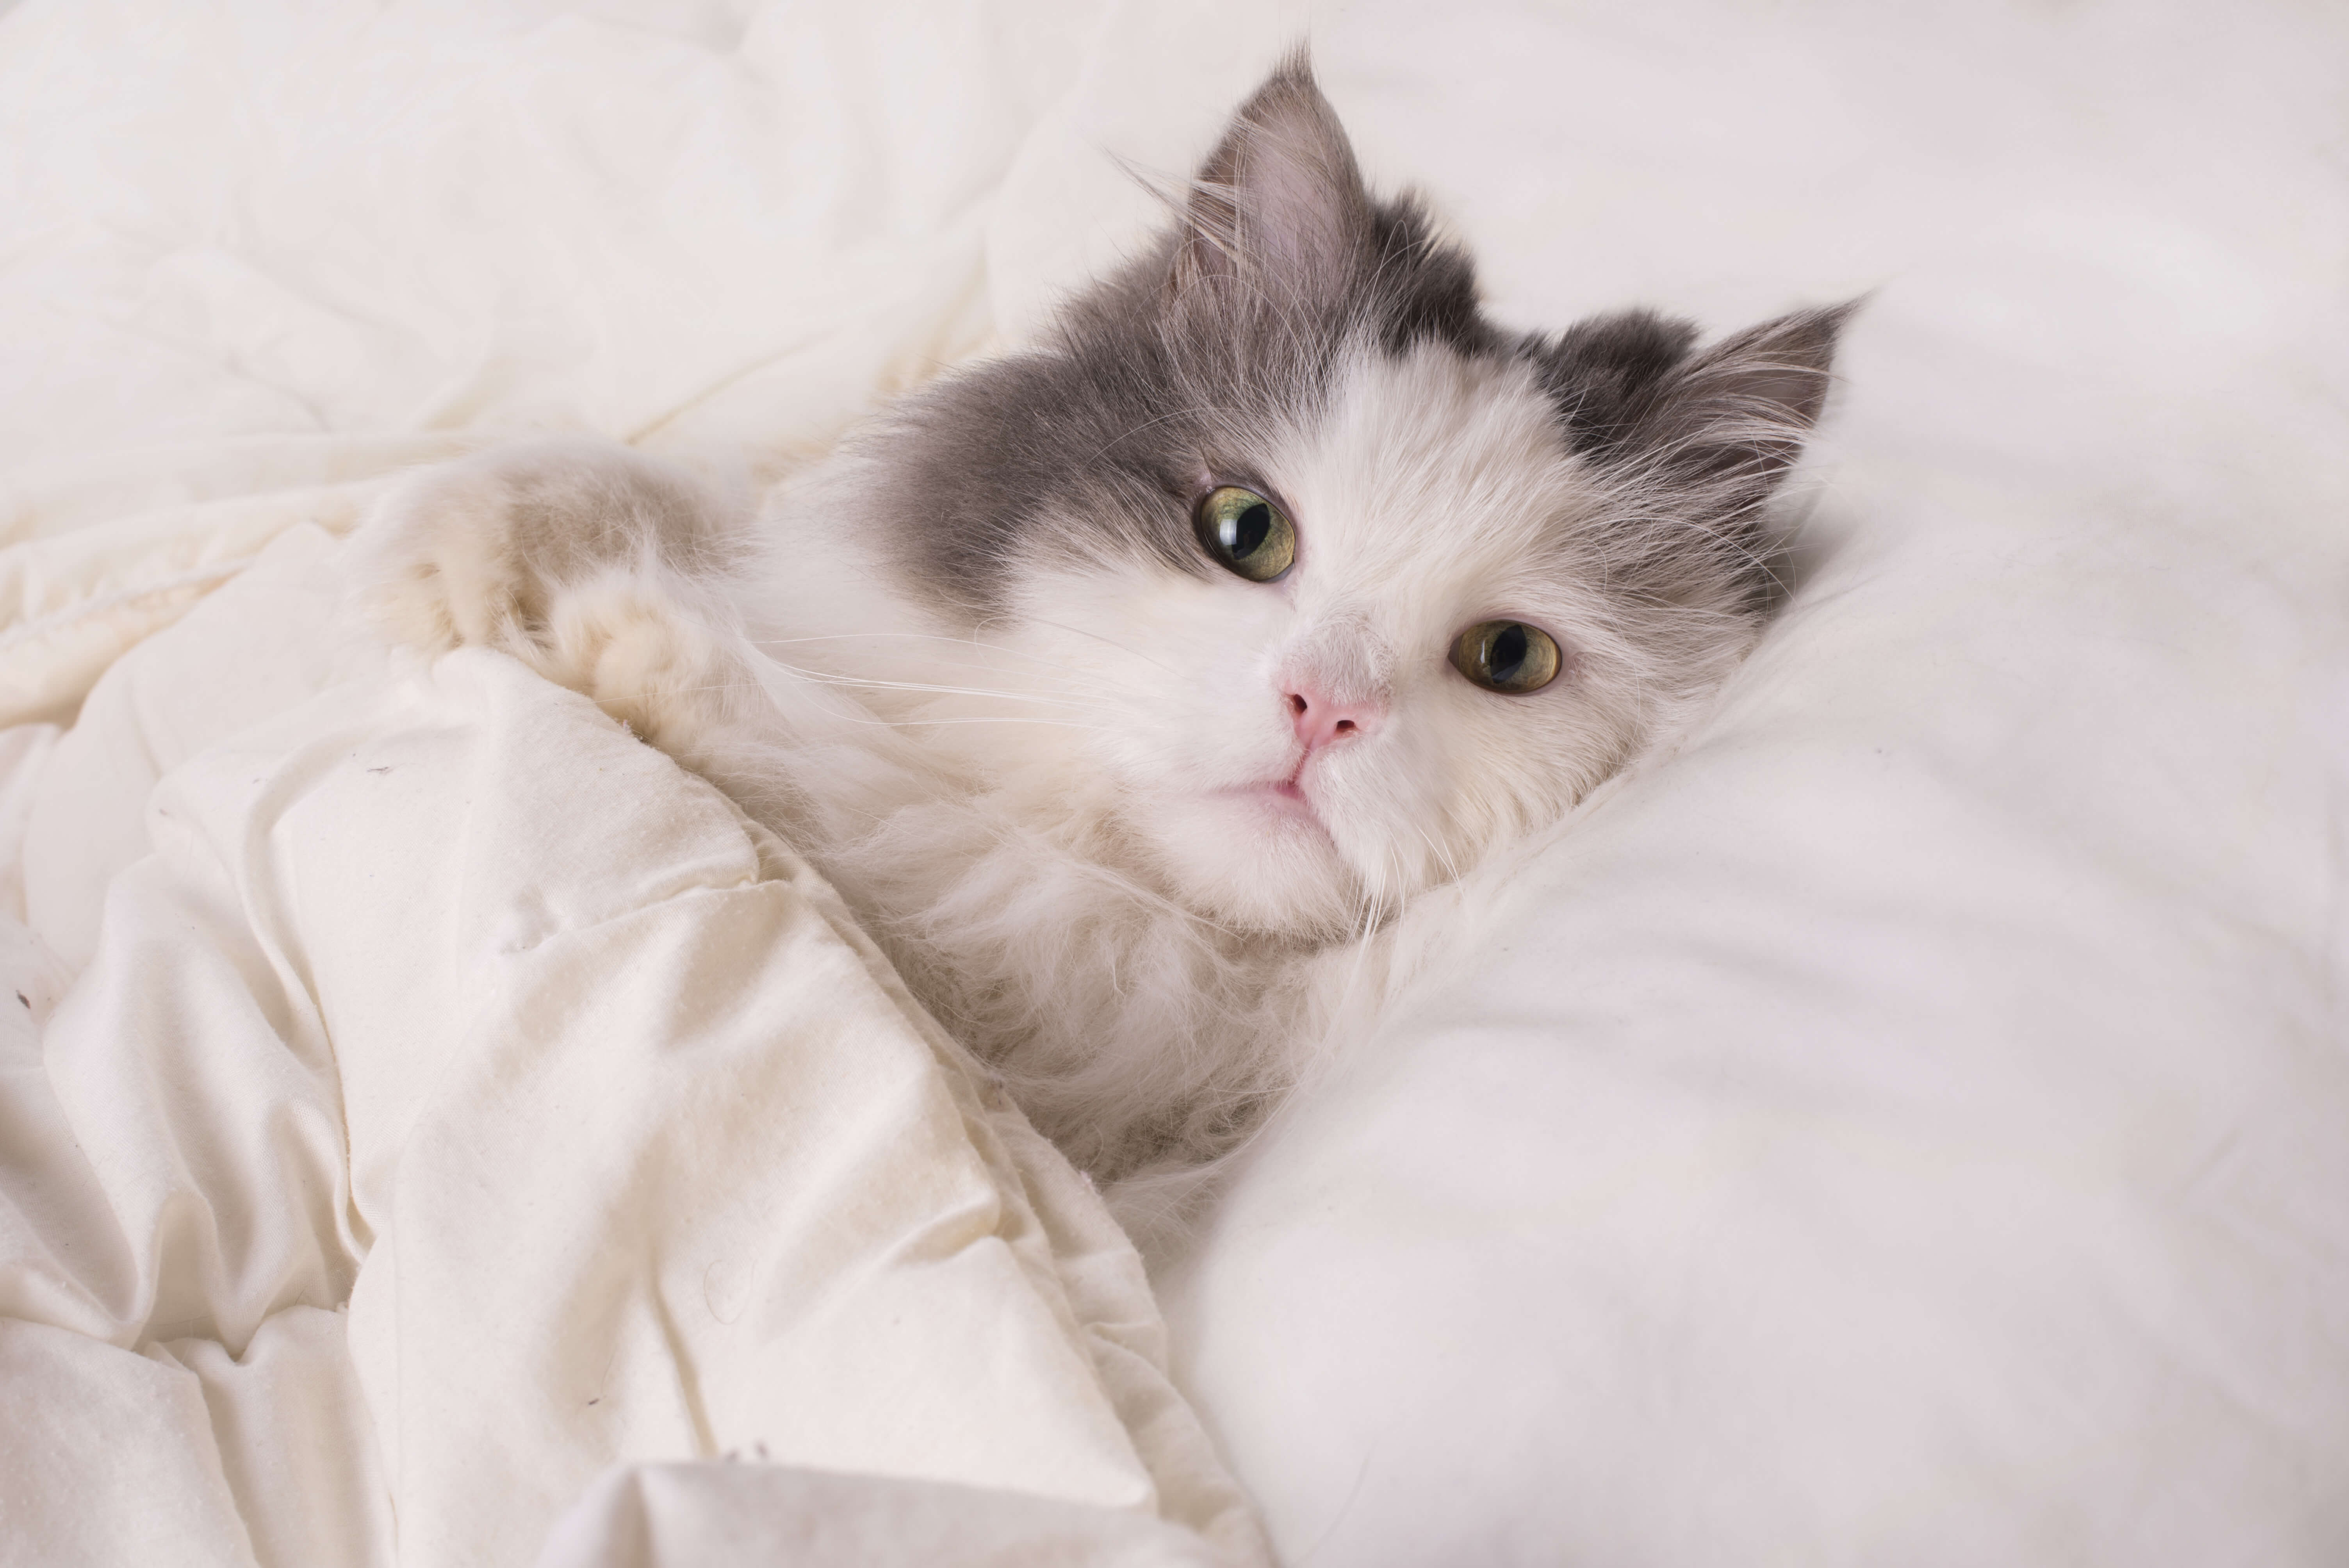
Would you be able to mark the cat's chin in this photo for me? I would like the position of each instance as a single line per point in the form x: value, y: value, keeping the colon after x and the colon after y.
x: 1258, y: 856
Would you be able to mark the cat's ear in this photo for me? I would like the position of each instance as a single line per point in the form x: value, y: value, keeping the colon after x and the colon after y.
x: 1281, y: 201
x: 1728, y: 421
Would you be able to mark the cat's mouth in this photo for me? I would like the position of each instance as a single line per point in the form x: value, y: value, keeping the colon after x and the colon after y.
x: 1284, y: 798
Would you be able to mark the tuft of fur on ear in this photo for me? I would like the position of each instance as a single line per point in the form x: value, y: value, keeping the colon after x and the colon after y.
x: 1281, y: 196
x: 1721, y: 427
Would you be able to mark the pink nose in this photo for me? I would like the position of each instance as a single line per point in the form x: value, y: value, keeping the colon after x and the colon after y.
x: 1319, y: 720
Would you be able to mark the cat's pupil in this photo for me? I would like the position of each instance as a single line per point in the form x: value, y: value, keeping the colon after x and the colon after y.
x: 1246, y: 533
x: 1506, y: 654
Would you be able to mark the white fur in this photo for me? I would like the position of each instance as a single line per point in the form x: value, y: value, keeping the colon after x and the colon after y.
x: 1037, y: 818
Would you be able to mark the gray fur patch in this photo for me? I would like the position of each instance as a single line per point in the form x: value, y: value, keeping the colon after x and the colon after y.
x: 1186, y: 367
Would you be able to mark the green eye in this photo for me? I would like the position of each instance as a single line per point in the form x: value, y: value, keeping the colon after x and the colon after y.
x: 1246, y: 533
x: 1505, y: 656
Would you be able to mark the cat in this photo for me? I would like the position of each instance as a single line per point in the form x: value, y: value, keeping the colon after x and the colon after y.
x: 1130, y: 686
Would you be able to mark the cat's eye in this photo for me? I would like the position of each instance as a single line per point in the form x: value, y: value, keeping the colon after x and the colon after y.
x: 1506, y: 656
x: 1246, y: 533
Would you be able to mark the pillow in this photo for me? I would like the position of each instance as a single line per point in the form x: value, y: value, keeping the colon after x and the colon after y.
x: 1905, y: 1126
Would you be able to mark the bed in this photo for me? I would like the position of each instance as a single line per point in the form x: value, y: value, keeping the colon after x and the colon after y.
x: 1906, y: 1126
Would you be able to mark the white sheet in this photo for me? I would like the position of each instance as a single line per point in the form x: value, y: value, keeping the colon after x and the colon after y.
x: 1902, y: 1129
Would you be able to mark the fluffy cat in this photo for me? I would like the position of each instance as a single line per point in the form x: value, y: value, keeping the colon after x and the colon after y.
x: 1130, y: 685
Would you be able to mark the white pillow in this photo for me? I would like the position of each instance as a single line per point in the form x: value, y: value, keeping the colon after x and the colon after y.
x: 1906, y: 1128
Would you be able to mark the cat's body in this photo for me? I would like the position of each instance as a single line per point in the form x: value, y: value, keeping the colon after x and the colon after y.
x: 1130, y: 686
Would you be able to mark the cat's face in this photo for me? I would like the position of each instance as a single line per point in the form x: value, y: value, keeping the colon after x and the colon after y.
x: 1299, y: 750
x: 1332, y: 585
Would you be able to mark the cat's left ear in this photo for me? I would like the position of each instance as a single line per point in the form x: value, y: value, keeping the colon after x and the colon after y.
x: 1280, y: 203
x: 1722, y: 426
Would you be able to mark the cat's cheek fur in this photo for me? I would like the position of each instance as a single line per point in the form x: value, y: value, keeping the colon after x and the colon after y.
x: 1179, y: 682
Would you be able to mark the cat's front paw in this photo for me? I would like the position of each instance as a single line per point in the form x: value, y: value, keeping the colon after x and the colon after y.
x: 457, y: 555
x: 559, y: 554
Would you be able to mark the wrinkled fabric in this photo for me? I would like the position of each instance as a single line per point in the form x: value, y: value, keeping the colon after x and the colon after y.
x: 457, y: 1101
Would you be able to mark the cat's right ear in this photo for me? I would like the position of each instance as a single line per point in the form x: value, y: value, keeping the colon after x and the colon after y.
x: 1281, y: 203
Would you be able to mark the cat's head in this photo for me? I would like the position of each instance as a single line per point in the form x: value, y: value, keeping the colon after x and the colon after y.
x: 1338, y: 584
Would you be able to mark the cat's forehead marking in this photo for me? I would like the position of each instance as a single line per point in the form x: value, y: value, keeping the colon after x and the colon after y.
x: 1432, y: 472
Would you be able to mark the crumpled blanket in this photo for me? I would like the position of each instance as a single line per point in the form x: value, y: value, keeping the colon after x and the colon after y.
x: 454, y: 1099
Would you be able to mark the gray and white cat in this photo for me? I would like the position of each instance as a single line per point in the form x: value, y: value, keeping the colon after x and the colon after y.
x: 1130, y: 686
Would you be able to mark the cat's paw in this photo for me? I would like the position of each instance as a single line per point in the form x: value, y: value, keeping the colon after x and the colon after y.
x: 625, y: 640
x: 559, y: 554
x: 447, y: 559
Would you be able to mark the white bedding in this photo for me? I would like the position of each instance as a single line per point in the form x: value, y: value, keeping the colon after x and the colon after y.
x: 1904, y: 1128
x: 427, y: 1128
